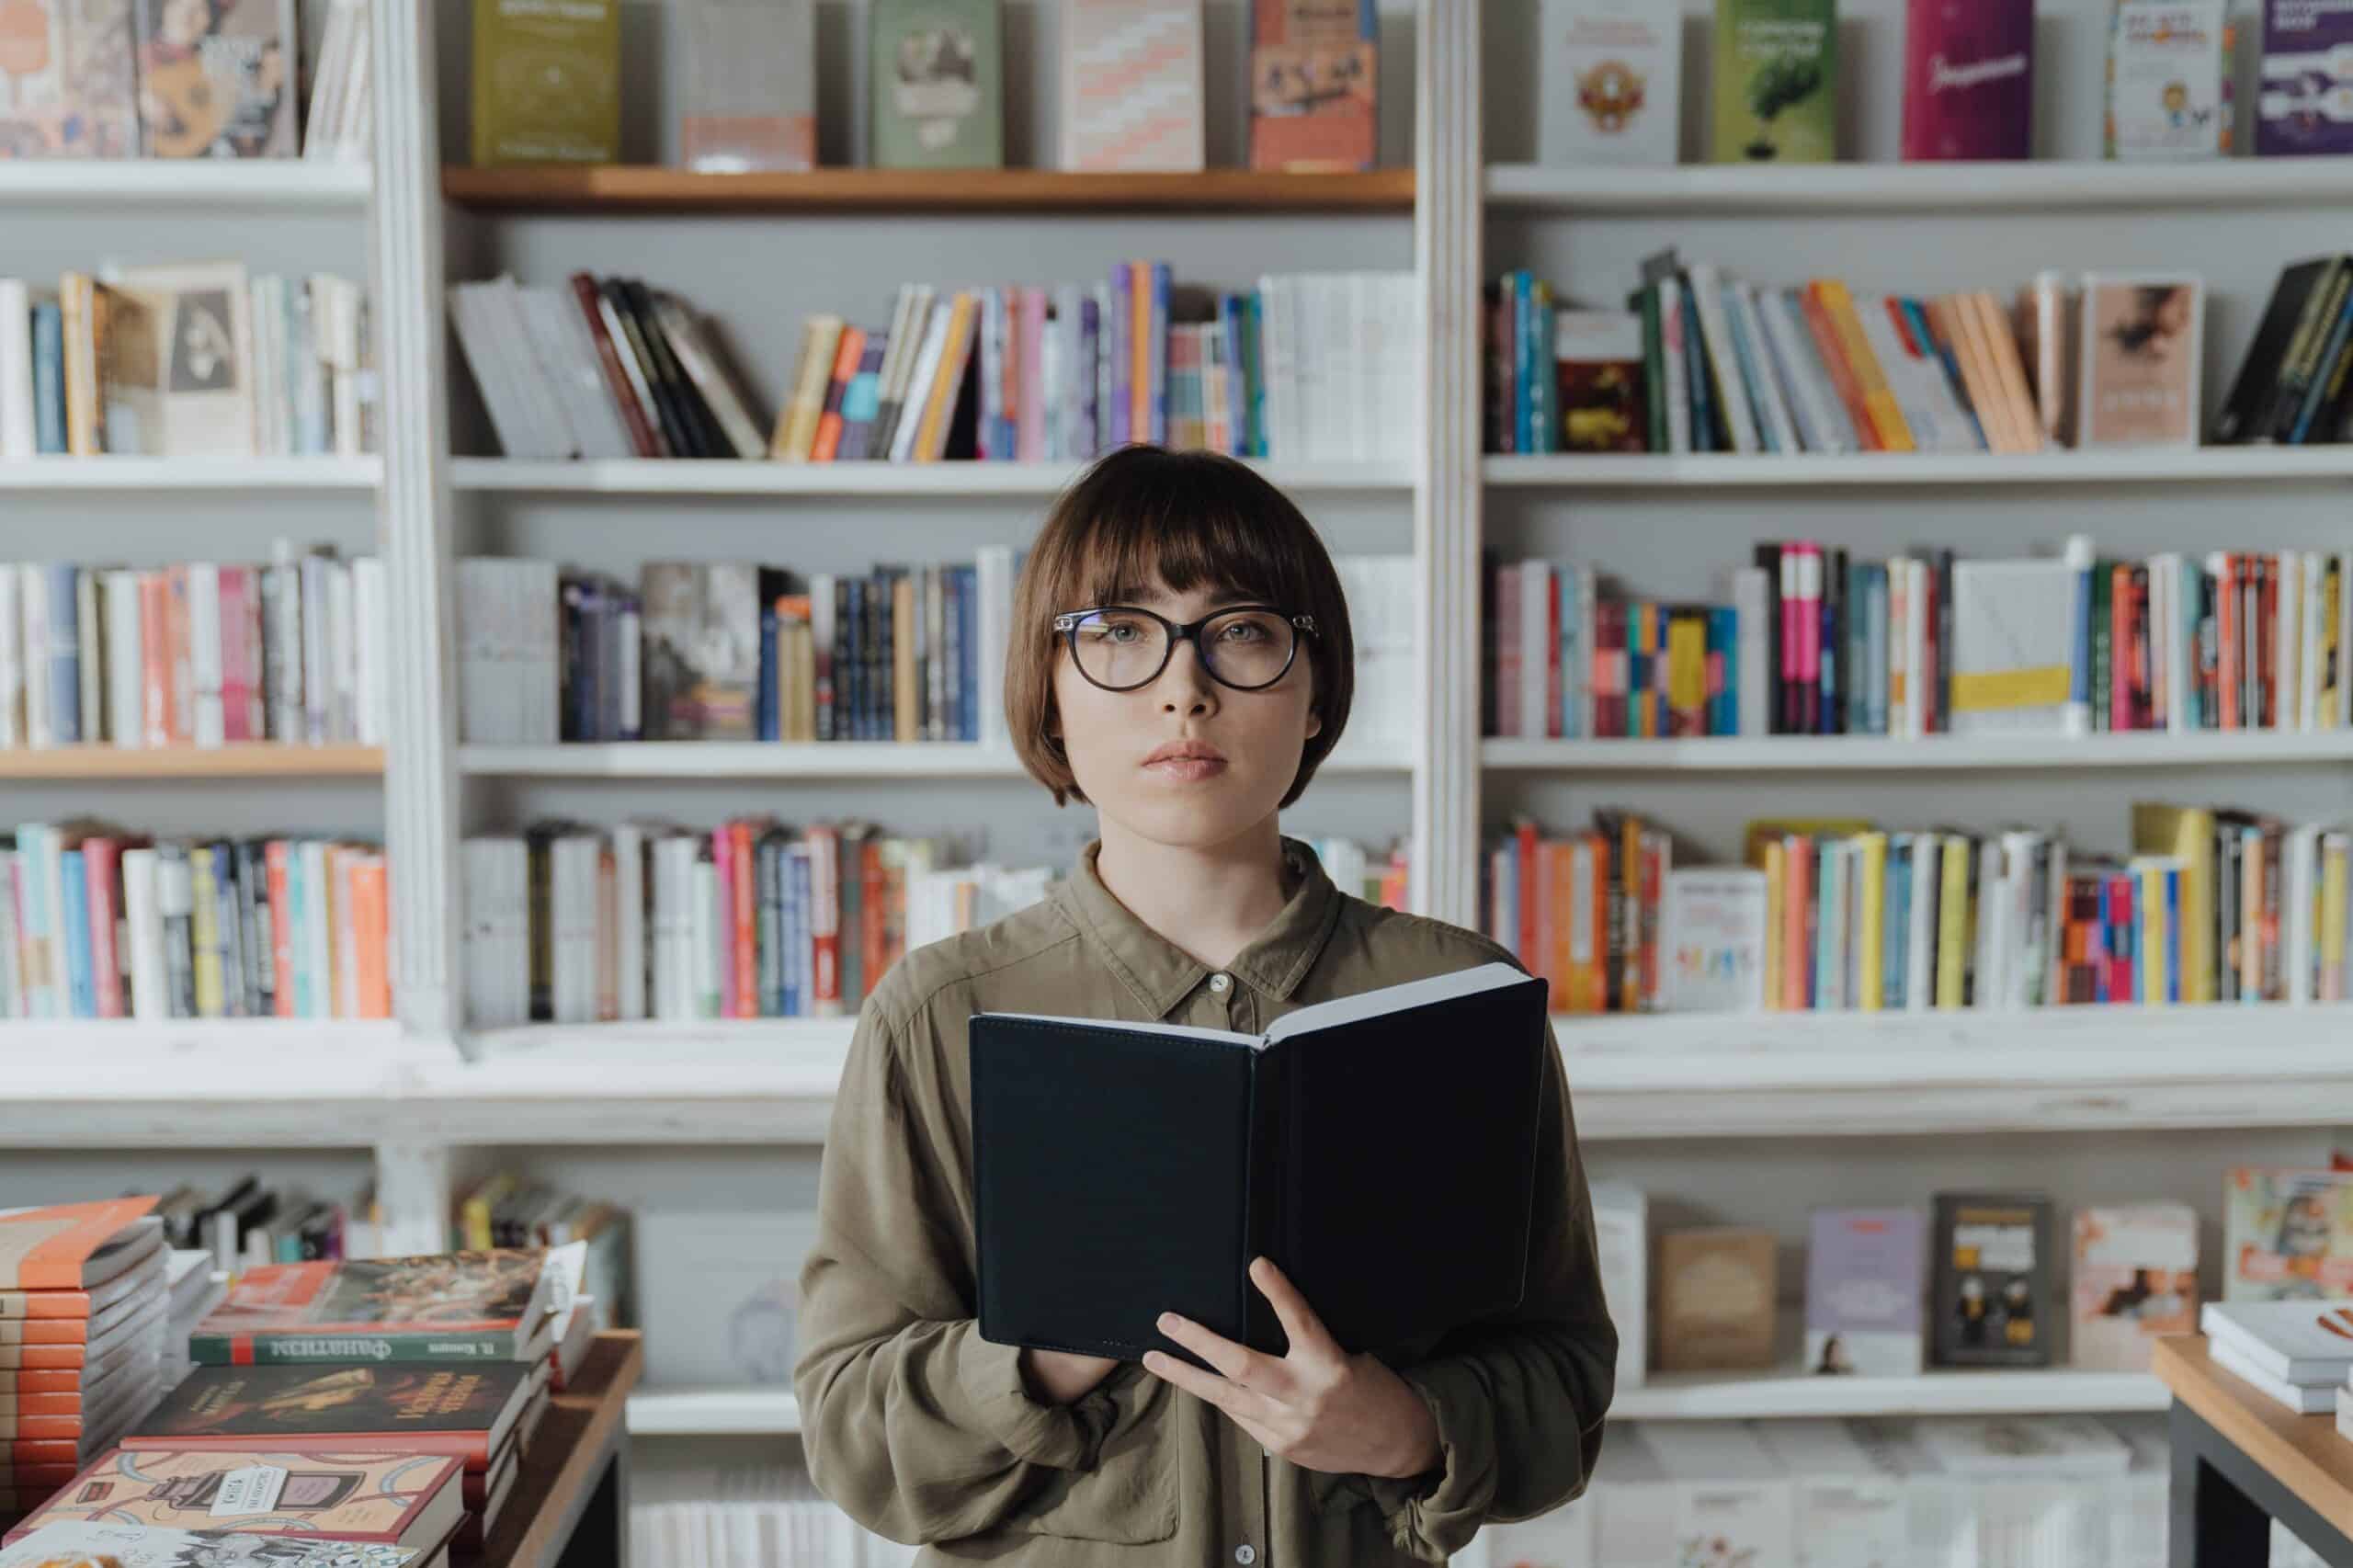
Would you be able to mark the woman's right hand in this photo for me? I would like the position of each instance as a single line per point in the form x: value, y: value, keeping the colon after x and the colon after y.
x: 1059, y: 1377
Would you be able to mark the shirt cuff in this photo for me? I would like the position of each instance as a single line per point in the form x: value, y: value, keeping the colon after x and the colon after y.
x: 1060, y: 1437
x: 1441, y: 1509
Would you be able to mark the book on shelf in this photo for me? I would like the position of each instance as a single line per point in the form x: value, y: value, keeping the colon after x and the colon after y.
x: 2291, y: 387
x: 392, y: 1499
x: 750, y: 85
x: 1713, y: 937
x: 2170, y: 79
x: 70, y: 92
x: 494, y: 1305
x: 2143, y: 337
x: 1315, y: 73
x: 589, y: 1242
x: 1991, y: 1285
x: 1728, y: 1488
x: 1776, y: 82
x: 1541, y: 894
x: 1134, y: 97
x: 1622, y: 1245
x: 218, y: 82
x: 547, y: 82
x: 2288, y: 1235
x: 2135, y: 1279
x: 1968, y: 79
x: 1610, y: 77
x: 339, y: 124
x: 1863, y: 1276
x: 132, y: 1546
x: 251, y: 1223
x: 106, y: 924
x: 1364, y: 1139
x: 936, y: 87
x: 1716, y: 1292
x: 2302, y: 80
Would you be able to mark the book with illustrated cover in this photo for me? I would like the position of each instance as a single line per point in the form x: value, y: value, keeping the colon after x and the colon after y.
x: 2169, y: 79
x: 1864, y: 1272
x: 2287, y: 1234
x: 2143, y: 336
x: 1598, y: 370
x: 392, y: 1499
x: 175, y: 364
x: 1776, y: 82
x: 1969, y: 79
x: 2012, y: 641
x: 1611, y: 77
x: 2135, y: 1279
x: 75, y: 1246
x: 217, y: 80
x: 1133, y: 91
x: 752, y: 85
x: 702, y: 648
x: 66, y: 80
x: 444, y: 1307
x: 547, y: 82
x: 1313, y: 76
x: 465, y: 1412
x: 1715, y: 935
x: 2304, y: 102
x: 76, y: 1543
x: 1991, y: 1290
x: 936, y: 99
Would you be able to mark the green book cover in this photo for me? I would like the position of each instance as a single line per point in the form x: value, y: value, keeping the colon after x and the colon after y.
x: 1776, y: 90
x: 547, y: 82
x: 937, y: 93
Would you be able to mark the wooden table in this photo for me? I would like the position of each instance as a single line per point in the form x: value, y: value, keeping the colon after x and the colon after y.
x: 569, y: 1506
x: 2240, y: 1460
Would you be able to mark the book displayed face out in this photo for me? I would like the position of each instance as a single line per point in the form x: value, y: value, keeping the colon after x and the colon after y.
x: 1125, y: 1169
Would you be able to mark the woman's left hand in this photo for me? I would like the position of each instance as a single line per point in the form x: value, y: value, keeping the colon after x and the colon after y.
x: 1319, y: 1407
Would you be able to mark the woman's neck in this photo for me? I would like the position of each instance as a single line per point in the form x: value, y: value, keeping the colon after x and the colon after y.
x: 1211, y: 902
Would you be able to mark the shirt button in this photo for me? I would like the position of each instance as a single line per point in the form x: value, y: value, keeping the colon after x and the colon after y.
x: 1218, y: 983
x: 1245, y: 1553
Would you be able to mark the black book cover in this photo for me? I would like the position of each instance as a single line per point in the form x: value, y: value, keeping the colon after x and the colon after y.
x: 284, y: 1402
x: 1767, y: 558
x: 665, y: 408
x: 1994, y: 1301
x: 1123, y: 1170
x: 2244, y: 413
x: 709, y: 440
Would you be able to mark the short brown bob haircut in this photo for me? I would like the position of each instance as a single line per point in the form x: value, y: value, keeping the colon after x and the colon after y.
x: 1143, y: 514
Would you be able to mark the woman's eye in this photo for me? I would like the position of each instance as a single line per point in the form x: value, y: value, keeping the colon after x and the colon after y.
x: 1243, y: 631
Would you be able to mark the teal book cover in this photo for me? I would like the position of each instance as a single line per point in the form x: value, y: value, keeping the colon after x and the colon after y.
x: 1776, y: 82
x: 937, y: 95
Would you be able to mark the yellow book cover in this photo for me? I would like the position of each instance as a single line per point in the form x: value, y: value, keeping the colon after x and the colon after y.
x: 1871, y: 995
x: 1775, y: 863
x: 547, y: 82
x: 796, y: 429
x: 1686, y: 670
x: 1878, y: 398
x: 2185, y: 833
x: 939, y: 403
x: 473, y: 1214
x: 2332, y: 657
x: 204, y: 932
x: 1952, y: 924
x: 906, y: 718
x: 2149, y: 886
x: 1645, y: 640
x: 1587, y: 919
x: 2332, y: 917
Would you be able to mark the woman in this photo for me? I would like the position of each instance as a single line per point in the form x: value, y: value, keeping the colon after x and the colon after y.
x: 1181, y: 661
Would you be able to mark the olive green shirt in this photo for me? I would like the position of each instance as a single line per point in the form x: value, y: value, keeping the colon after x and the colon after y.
x: 926, y: 1433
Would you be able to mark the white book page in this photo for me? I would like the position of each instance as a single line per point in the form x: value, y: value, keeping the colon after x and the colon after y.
x: 1181, y: 1031
x: 1365, y: 1005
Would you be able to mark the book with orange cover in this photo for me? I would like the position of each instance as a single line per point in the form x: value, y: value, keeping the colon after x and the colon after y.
x: 370, y: 918
x: 956, y: 356
x: 1951, y: 321
x: 135, y: 1281
x: 72, y: 1246
x: 400, y: 1499
x: 829, y: 423
x: 1878, y: 399
x: 1313, y: 68
x: 2007, y: 364
x: 1833, y: 362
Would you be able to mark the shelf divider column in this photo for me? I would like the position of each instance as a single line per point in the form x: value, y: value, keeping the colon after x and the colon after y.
x: 420, y: 776
x: 1449, y: 179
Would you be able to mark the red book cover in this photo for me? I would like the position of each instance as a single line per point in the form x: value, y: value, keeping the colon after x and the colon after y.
x: 1313, y: 68
x: 870, y: 895
x: 1968, y: 79
x: 463, y: 1412
x: 281, y: 929
x: 70, y: 1247
x: 31, y: 1426
x: 829, y: 423
x: 100, y: 858
x: 1524, y: 939
x: 24, y: 1406
x: 641, y: 434
x: 743, y: 915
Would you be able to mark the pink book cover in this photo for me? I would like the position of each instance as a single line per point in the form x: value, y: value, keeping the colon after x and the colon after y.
x: 236, y: 676
x: 723, y: 852
x: 1033, y: 374
x: 99, y: 859
x: 1969, y: 79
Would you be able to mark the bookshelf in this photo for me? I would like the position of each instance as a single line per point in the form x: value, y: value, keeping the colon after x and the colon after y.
x: 626, y: 188
x: 1028, y: 479
x: 251, y: 760
x: 2045, y: 184
x: 2233, y: 466
x: 291, y: 186
x: 290, y: 475
x: 1930, y: 754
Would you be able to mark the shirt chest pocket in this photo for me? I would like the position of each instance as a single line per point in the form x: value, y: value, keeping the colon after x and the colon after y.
x: 1129, y: 1497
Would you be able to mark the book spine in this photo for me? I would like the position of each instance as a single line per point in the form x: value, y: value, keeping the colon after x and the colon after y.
x: 295, y: 1348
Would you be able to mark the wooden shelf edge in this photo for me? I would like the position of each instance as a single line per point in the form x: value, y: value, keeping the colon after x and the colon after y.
x: 245, y: 760
x: 631, y: 188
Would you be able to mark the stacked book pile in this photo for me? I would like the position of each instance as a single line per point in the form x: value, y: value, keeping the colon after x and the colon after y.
x: 194, y: 1287
x: 84, y: 1302
x: 2298, y: 1353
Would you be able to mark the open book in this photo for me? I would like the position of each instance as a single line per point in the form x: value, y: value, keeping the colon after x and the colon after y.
x: 1380, y: 1148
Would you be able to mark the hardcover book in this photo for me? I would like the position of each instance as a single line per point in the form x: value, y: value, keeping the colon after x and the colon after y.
x: 460, y: 1306
x: 2144, y: 335
x: 2169, y: 79
x: 1133, y: 91
x: 1715, y: 922
x: 1864, y: 1274
x: 217, y: 81
x: 1992, y: 1287
x: 1969, y: 79
x: 464, y: 1411
x: 1609, y: 75
x: 1318, y: 1144
x: 67, y: 80
x: 937, y: 97
x: 750, y: 85
x: 1776, y: 86
x: 392, y: 1499
x: 84, y: 1544
x: 2135, y: 1278
x: 702, y: 649
x: 1715, y: 1300
x: 1597, y: 369
x: 2287, y: 1234
x: 2304, y: 103
x: 1313, y: 75
x: 76, y: 1246
x: 175, y: 377
x: 547, y: 82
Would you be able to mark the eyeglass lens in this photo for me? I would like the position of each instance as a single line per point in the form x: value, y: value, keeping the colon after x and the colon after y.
x: 1120, y: 649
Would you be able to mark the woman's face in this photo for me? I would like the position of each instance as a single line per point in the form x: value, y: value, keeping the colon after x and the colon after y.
x: 1254, y: 739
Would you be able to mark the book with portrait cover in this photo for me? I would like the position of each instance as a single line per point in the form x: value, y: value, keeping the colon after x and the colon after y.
x: 1610, y: 73
x: 216, y: 78
x: 1864, y: 1271
x: 2287, y: 1234
x: 1969, y: 79
x: 1992, y: 1294
x: 1776, y: 82
x: 936, y: 99
x: 2135, y: 1279
x: 442, y: 1307
x: 1313, y: 75
x: 396, y: 1499
x: 2142, y: 347
x: 463, y: 1412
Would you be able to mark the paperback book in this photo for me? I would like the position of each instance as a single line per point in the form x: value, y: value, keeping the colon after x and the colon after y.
x: 217, y: 81
x: 1993, y: 1280
x: 1969, y: 79
x: 2135, y: 1279
x: 1133, y: 97
x: 2143, y: 341
x: 1776, y: 81
x: 393, y: 1499
x: 1313, y: 74
x: 1609, y: 78
x: 2304, y: 104
x: 133, y: 1546
x: 467, y: 1411
x: 1715, y: 1300
x: 2169, y: 91
x: 462, y: 1306
x: 937, y: 93
x: 1863, y: 1277
x: 547, y: 83
x: 2288, y: 1235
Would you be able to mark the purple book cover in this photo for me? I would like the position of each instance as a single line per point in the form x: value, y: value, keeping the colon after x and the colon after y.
x: 1865, y: 1275
x: 1090, y: 348
x: 2305, y: 102
x: 1969, y: 79
x: 1124, y: 304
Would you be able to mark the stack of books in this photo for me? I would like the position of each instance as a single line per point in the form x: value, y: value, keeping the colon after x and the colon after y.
x: 136, y: 1546
x: 83, y: 1298
x: 194, y: 1287
x: 2298, y: 1353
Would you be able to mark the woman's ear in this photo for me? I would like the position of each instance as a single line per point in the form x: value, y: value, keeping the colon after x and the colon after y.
x: 1315, y: 723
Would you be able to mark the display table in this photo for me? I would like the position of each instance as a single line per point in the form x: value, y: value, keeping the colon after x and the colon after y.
x: 569, y: 1506
x: 2240, y: 1460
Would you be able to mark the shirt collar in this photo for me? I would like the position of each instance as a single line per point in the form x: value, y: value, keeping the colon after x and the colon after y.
x: 1160, y: 974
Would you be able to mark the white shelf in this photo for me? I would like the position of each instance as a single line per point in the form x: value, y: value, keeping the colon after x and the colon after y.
x: 772, y: 759
x: 1840, y: 754
x: 684, y: 477
x: 704, y: 1413
x: 272, y: 183
x: 190, y: 474
x: 1734, y: 1396
x: 2203, y: 465
x: 2189, y: 188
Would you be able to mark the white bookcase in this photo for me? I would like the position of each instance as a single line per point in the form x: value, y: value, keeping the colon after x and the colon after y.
x: 1737, y: 1120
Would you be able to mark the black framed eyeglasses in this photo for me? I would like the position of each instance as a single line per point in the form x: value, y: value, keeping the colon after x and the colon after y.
x: 1123, y: 647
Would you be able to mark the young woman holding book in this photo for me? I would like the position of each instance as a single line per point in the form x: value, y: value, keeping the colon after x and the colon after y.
x: 1181, y: 661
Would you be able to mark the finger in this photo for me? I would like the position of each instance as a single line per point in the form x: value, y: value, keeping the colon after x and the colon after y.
x: 1300, y: 1323
x: 1239, y: 1363
x: 1237, y: 1402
